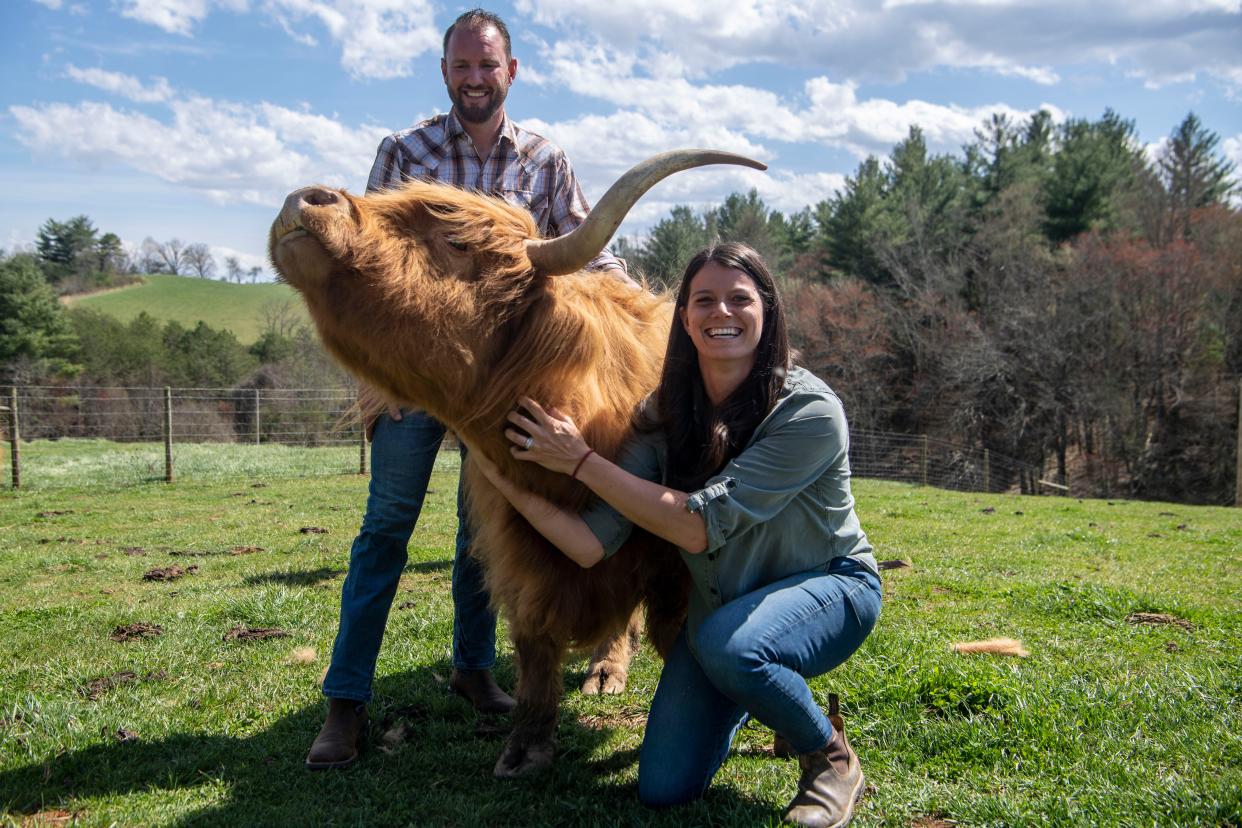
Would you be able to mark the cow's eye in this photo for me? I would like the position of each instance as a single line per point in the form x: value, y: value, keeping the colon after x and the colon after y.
x: 456, y: 245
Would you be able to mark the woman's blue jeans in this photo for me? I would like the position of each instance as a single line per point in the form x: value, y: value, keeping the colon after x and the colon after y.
x: 752, y: 657
x: 403, y: 453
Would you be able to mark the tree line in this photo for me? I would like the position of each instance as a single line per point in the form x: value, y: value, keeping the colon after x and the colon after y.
x: 1051, y: 292
x: 76, y: 257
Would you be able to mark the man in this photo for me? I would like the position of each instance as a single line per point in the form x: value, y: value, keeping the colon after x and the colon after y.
x: 475, y: 146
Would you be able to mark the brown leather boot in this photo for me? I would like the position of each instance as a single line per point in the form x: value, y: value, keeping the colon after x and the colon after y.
x: 480, y: 689
x: 831, y: 783
x: 340, y: 739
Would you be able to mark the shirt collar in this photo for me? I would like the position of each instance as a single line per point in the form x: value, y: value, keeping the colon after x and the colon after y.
x: 453, y: 128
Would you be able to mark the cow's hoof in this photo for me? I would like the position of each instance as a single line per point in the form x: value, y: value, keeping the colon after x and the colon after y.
x: 524, y: 760
x: 602, y: 682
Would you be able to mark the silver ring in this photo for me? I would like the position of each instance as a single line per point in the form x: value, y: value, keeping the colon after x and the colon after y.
x: 530, y: 441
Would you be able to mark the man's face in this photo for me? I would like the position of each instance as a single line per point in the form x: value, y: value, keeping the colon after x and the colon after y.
x: 477, y: 73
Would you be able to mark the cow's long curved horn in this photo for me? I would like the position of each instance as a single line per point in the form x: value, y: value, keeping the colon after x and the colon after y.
x: 570, y: 253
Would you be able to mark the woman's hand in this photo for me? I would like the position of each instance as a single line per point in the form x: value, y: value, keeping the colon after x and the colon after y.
x: 554, y: 441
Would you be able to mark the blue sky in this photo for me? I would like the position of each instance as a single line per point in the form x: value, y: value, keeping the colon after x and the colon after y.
x: 192, y: 118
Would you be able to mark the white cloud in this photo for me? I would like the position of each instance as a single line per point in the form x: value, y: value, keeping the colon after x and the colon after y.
x: 228, y: 152
x: 173, y: 16
x: 864, y: 41
x: 1231, y: 148
x: 125, y: 85
x: 668, y: 111
x: 51, y: 4
x: 377, y: 38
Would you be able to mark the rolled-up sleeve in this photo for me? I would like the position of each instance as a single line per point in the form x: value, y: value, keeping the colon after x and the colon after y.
x: 641, y: 458
x: 386, y: 171
x: 807, y: 436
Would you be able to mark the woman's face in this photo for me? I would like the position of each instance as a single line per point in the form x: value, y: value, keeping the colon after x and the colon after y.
x: 723, y: 315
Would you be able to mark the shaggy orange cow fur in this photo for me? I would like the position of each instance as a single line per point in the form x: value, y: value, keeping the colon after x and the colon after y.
x: 428, y: 294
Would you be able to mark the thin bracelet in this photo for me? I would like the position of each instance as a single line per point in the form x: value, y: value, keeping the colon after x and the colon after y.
x: 578, y: 467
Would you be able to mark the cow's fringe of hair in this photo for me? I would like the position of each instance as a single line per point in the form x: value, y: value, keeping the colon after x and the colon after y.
x: 993, y: 646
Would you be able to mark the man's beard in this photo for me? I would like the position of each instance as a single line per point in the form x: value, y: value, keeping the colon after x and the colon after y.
x: 478, y: 110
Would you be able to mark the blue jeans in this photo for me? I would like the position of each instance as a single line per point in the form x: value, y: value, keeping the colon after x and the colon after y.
x: 751, y: 658
x: 402, y: 455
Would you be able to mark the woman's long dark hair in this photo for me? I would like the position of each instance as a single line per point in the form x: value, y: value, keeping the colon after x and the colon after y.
x: 702, y: 437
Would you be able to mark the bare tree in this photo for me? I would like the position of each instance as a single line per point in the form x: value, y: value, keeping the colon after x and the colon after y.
x: 254, y: 274
x: 163, y: 257
x: 199, y: 260
x: 233, y: 269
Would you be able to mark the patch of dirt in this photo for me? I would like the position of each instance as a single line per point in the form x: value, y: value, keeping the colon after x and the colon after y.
x: 1171, y: 647
x: 313, y: 530
x: 245, y: 550
x: 932, y: 821
x: 625, y: 719
x: 54, y: 513
x: 896, y: 564
x: 1019, y: 513
x: 407, y: 605
x: 123, y: 735
x: 134, y: 551
x: 939, y: 590
x: 243, y: 633
x: 139, y: 629
x: 95, y: 688
x: 258, y: 485
x: 167, y: 573
x: 988, y: 510
x: 1159, y: 619
x: 52, y: 817
x: 1182, y: 527
x: 1167, y: 514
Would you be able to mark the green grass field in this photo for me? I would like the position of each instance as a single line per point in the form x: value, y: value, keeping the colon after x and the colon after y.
x: 1107, y: 722
x: 184, y: 299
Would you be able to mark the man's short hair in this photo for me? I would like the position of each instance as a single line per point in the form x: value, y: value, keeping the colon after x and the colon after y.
x: 477, y: 20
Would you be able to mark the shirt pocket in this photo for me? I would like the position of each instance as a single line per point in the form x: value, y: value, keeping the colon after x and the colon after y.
x: 533, y: 202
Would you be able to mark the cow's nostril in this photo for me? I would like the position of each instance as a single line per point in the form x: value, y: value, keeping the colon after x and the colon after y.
x: 320, y: 198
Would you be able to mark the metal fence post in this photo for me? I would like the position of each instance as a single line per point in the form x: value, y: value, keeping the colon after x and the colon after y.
x: 1237, y: 490
x: 987, y: 470
x: 924, y: 459
x: 168, y: 458
x: 362, y: 437
x: 15, y: 439
x: 256, y: 417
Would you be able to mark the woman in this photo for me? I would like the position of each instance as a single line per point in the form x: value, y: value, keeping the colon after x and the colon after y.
x: 741, y: 461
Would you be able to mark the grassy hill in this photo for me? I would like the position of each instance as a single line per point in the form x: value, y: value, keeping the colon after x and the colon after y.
x: 239, y: 308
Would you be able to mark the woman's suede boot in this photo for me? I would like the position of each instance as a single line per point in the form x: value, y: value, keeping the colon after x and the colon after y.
x: 831, y: 783
x: 340, y: 739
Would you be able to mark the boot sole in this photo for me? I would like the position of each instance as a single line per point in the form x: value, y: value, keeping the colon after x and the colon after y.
x: 338, y: 765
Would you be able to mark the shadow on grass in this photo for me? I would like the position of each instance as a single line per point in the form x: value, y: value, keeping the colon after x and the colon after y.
x: 430, y: 566
x: 304, y: 577
x: 428, y: 762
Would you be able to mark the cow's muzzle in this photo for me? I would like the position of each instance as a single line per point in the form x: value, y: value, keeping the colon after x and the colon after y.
x: 291, y: 218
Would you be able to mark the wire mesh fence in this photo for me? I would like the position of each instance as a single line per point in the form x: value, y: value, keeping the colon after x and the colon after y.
x: 123, y: 436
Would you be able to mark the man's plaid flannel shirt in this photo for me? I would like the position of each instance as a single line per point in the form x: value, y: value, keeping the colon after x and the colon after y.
x: 525, y: 169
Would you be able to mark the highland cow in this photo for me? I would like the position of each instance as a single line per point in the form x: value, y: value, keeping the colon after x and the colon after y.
x: 448, y: 301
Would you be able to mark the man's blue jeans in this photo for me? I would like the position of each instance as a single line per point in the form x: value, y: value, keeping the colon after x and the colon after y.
x: 402, y: 455
x: 751, y: 658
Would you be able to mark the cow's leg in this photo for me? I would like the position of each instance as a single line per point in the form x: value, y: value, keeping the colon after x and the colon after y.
x: 530, y: 746
x: 610, y: 663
